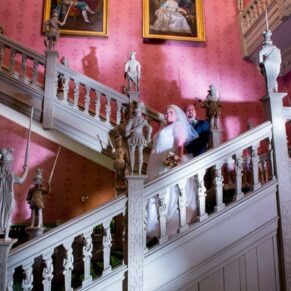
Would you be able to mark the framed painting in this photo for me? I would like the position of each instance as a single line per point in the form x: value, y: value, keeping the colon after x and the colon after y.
x: 173, y: 20
x: 88, y: 17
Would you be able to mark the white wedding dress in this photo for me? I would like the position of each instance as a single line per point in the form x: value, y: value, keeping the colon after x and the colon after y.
x: 164, y: 142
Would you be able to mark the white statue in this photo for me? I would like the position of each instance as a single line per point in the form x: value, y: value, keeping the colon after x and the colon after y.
x: 132, y: 72
x: 134, y: 130
x: 270, y: 62
x: 7, y: 181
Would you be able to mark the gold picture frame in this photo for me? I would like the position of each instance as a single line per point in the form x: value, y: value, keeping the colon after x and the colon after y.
x: 173, y: 20
x: 88, y: 18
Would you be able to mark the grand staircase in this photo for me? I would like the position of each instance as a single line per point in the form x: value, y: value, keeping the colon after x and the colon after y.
x: 240, y: 239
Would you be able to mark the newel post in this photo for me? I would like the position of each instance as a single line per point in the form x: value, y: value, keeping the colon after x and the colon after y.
x: 50, y: 88
x: 5, y: 246
x: 275, y: 112
x: 135, y: 231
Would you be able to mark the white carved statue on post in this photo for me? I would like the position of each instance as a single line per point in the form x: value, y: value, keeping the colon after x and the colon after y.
x: 7, y: 181
x: 132, y: 72
x: 270, y: 62
x: 134, y: 130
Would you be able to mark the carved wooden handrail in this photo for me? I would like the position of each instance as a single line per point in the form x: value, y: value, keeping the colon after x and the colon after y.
x: 253, y: 21
x: 214, y: 161
x: 64, y: 235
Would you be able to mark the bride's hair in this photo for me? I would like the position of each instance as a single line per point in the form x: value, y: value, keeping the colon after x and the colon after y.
x: 182, y: 119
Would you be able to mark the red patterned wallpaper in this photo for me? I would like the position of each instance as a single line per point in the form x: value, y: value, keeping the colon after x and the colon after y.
x: 74, y: 176
x: 172, y: 72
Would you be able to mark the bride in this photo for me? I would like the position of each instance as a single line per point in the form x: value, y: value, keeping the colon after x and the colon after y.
x: 171, y: 138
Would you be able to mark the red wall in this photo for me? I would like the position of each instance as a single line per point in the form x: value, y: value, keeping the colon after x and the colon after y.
x: 172, y: 72
x: 74, y: 176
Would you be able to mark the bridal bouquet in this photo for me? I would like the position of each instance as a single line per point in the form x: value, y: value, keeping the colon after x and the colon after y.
x: 172, y: 160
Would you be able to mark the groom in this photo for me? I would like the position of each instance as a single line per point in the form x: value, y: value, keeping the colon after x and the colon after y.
x: 197, y: 146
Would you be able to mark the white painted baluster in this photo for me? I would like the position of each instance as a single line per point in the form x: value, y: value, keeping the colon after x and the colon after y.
x: 2, y: 47
x: 35, y: 72
x: 107, y: 243
x: 76, y: 94
x: 66, y: 89
x: 271, y: 168
x: 108, y: 109
x: 47, y: 273
x: 118, y: 112
x: 12, y: 61
x: 97, y: 105
x: 23, y: 66
x: 27, y: 283
x: 201, y: 196
x: 255, y: 166
x: 182, y: 206
x: 68, y: 265
x: 238, y: 165
x: 87, y: 100
x: 218, y: 183
x: 145, y: 225
x: 162, y: 215
x: 87, y: 255
x: 10, y: 273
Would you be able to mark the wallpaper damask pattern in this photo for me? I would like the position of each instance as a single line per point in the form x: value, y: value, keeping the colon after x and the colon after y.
x: 172, y: 72
x: 74, y: 176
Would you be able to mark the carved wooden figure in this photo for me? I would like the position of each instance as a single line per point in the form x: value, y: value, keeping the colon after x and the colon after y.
x: 134, y: 130
x: 7, y: 181
x: 270, y: 62
x: 35, y: 198
x: 121, y: 161
x: 132, y: 72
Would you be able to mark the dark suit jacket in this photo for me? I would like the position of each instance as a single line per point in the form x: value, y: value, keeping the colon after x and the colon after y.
x: 199, y: 145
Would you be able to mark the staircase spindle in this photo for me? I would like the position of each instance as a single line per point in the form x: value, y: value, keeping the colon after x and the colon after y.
x: 35, y: 72
x: 255, y: 166
x: 97, y: 105
x: 2, y: 48
x: 238, y: 166
x: 162, y: 215
x: 182, y: 206
x: 10, y: 273
x: 47, y: 273
x: 87, y: 255
x: 118, y: 112
x: 271, y: 158
x: 23, y: 66
x: 27, y: 282
x: 107, y: 243
x: 66, y: 89
x: 108, y: 109
x: 68, y: 265
x: 202, y: 215
x: 218, y: 183
x: 87, y: 100
x: 145, y: 225
x: 76, y: 94
x: 12, y: 61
